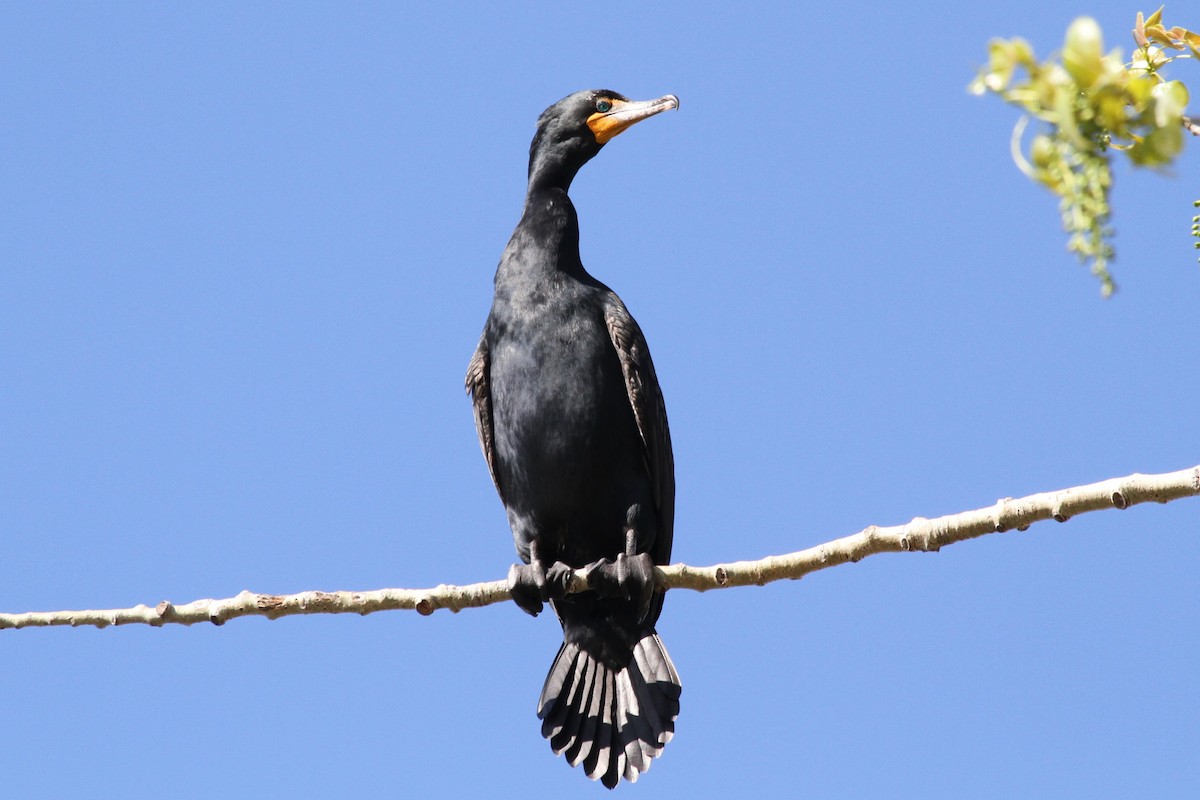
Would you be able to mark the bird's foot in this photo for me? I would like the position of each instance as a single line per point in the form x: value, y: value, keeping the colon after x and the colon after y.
x: 630, y: 577
x: 533, y: 584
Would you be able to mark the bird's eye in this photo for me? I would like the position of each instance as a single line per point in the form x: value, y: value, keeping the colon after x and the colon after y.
x: 603, y: 106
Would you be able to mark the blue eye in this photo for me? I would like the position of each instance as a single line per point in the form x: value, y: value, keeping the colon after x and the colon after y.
x: 603, y: 106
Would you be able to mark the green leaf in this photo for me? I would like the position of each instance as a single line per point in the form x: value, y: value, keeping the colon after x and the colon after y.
x: 1022, y: 52
x: 1158, y: 148
x: 1140, y: 89
x: 1041, y: 151
x: 1169, y: 101
x: 1083, y: 50
x: 1175, y: 93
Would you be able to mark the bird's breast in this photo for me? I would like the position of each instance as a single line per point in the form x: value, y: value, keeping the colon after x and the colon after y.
x: 560, y: 411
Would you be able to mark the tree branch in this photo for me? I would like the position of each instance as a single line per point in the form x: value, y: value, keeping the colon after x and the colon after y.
x: 1192, y: 126
x: 925, y: 535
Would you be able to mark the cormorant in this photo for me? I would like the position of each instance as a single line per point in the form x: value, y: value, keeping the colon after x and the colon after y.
x: 572, y: 424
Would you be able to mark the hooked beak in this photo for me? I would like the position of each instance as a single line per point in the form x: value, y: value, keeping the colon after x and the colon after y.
x: 625, y: 113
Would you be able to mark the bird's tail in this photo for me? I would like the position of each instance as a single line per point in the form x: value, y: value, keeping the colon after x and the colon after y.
x: 611, y: 717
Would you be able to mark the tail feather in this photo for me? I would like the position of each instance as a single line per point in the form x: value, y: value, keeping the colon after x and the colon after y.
x: 585, y: 741
x: 564, y: 678
x: 597, y: 761
x: 613, y: 719
x: 652, y: 660
x: 645, y: 719
x: 628, y: 718
x: 576, y: 707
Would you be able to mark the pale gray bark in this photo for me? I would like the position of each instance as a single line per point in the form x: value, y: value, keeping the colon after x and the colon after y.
x: 925, y: 535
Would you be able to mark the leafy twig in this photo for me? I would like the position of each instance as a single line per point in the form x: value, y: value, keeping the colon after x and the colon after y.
x: 1092, y: 104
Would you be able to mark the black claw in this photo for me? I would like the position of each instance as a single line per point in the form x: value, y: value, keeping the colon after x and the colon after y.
x: 558, y: 581
x: 631, y: 520
x: 637, y: 580
x: 527, y: 585
x: 629, y: 577
x: 603, y: 579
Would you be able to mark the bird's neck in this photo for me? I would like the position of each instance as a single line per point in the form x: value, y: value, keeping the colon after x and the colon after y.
x: 553, y: 167
x: 547, y: 238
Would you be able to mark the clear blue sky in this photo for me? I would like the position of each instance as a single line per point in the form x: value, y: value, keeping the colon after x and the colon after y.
x: 248, y: 250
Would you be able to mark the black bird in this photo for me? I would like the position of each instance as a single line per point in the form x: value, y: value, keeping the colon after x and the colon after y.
x: 574, y: 430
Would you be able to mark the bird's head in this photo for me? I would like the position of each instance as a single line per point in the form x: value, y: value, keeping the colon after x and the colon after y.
x: 574, y: 129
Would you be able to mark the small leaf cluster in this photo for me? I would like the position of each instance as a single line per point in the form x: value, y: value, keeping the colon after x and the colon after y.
x: 1196, y: 226
x: 1090, y: 103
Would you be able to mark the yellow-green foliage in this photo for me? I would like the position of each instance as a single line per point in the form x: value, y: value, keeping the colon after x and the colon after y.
x: 1092, y: 103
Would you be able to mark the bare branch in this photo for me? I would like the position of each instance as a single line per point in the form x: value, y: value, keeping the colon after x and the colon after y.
x: 926, y: 535
x: 1192, y: 126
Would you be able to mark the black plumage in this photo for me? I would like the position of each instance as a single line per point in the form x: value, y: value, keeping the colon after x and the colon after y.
x: 572, y: 424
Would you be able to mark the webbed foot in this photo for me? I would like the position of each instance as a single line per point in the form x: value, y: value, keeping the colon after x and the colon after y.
x: 527, y: 585
x: 532, y: 584
x: 630, y: 576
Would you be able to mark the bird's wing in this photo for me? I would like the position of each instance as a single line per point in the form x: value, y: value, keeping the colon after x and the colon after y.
x: 478, y: 385
x: 641, y: 384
